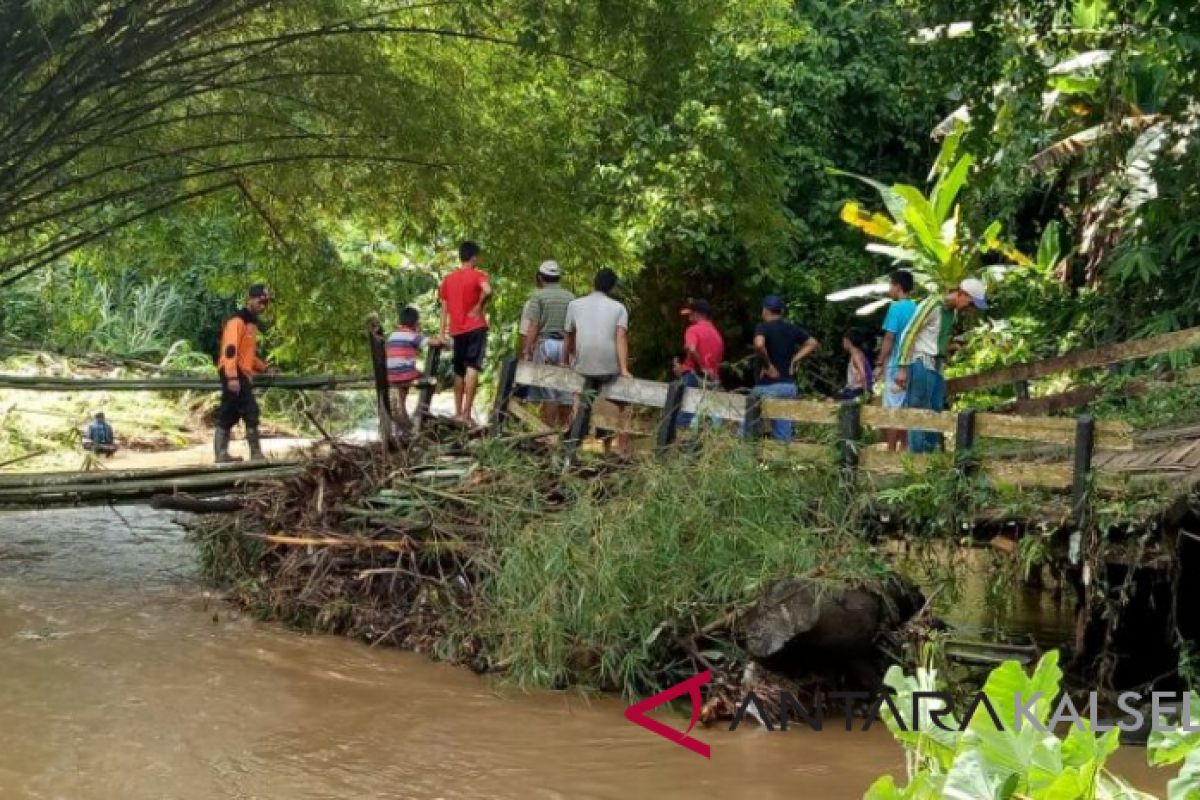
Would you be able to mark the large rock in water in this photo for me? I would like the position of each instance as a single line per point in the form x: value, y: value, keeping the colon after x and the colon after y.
x: 798, y: 614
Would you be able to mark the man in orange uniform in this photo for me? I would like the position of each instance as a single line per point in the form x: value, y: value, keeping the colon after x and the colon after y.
x: 238, y: 363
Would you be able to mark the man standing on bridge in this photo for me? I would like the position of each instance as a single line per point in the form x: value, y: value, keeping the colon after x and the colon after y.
x: 464, y: 293
x: 921, y: 353
x: 238, y: 363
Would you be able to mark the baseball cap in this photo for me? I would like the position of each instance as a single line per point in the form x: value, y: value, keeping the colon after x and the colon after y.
x: 773, y: 302
x: 550, y: 269
x: 700, y: 307
x: 976, y: 290
x: 260, y: 290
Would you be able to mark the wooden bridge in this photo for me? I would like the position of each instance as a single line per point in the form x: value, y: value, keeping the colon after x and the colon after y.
x: 1056, y: 454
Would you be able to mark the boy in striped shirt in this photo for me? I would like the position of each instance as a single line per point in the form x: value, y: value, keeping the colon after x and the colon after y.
x: 403, y: 347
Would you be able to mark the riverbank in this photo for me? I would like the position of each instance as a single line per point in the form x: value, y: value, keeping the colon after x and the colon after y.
x: 620, y: 576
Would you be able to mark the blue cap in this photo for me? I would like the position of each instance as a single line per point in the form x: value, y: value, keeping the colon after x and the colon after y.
x: 774, y: 303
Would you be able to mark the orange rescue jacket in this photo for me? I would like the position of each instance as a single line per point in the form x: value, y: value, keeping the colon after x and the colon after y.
x: 239, y: 347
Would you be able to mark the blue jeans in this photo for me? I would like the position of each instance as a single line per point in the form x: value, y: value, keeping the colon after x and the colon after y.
x: 926, y: 389
x: 781, y: 429
x: 693, y: 381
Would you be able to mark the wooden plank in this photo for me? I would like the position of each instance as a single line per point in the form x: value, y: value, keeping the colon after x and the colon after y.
x: 1052, y: 430
x: 798, y: 451
x: 1079, y: 359
x: 637, y: 391
x: 723, y: 405
x: 528, y: 418
x: 800, y: 411
x: 884, y: 462
x: 626, y: 390
x: 547, y: 376
x: 918, y: 419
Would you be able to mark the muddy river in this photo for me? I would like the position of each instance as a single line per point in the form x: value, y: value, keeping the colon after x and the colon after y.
x: 121, y: 679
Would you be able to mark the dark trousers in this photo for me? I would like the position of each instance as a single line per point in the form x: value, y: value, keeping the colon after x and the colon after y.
x: 239, y: 405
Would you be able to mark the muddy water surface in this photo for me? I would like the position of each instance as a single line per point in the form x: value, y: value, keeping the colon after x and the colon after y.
x: 120, y: 679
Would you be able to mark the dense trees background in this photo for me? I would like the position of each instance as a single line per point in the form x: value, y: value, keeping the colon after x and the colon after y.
x: 338, y: 148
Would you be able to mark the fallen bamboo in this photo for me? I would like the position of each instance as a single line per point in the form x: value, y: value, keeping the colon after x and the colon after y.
x: 130, y: 489
x: 197, y: 505
x: 397, y: 546
x: 35, y: 479
x: 42, y: 383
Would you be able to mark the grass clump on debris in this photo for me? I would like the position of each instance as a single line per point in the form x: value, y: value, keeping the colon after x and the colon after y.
x: 618, y: 576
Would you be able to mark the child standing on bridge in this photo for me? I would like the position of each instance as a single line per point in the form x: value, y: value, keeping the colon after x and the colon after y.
x: 403, y: 345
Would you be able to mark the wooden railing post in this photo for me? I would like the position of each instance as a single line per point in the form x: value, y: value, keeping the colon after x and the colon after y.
x: 433, y: 360
x: 964, y: 442
x: 1022, y: 390
x: 504, y: 393
x: 665, y: 436
x: 754, y: 418
x: 850, y: 431
x: 383, y: 401
x: 1085, y: 443
x: 581, y: 423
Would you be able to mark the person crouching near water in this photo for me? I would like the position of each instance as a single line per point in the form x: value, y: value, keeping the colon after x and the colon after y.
x: 403, y: 346
x: 860, y: 378
x: 237, y: 364
x: 99, y: 437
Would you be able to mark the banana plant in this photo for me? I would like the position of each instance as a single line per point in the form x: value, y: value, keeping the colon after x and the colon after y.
x: 926, y: 233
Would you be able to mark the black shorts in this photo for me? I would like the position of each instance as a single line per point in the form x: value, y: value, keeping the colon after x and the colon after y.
x: 469, y: 350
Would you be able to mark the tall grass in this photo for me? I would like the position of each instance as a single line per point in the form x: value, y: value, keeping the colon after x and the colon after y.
x: 596, y: 594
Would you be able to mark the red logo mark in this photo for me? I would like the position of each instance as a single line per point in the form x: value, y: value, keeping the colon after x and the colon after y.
x: 636, y: 713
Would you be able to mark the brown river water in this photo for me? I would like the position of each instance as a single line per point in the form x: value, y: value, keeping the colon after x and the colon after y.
x: 122, y: 679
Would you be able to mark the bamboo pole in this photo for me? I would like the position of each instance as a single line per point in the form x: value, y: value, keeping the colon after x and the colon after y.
x: 44, y: 383
x: 35, y: 479
x: 129, y: 489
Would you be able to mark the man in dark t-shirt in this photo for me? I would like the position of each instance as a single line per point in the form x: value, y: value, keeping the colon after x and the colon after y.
x: 779, y: 346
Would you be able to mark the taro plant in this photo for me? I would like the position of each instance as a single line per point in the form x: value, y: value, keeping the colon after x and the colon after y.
x: 989, y: 761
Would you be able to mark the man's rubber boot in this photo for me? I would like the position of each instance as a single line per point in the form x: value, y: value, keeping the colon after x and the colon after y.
x: 221, y: 446
x: 255, y: 442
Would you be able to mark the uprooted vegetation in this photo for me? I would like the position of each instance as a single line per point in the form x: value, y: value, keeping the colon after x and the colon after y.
x: 630, y: 576
x: 620, y: 576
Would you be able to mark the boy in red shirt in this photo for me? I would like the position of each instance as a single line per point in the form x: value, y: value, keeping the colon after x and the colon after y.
x: 464, y: 293
x: 704, y: 350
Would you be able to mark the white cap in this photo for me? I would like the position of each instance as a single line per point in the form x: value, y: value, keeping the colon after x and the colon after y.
x: 976, y: 290
x: 550, y: 269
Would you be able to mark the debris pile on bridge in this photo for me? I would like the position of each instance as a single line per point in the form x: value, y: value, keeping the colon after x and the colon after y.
x: 614, y: 575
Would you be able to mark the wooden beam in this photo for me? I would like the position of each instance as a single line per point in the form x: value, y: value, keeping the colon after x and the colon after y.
x: 638, y: 392
x: 1079, y: 359
x: 1051, y: 430
x: 528, y: 418
x: 547, y: 376
x: 723, y: 405
x: 801, y: 411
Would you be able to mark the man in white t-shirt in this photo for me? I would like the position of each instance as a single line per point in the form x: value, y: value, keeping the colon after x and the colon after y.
x: 597, y: 328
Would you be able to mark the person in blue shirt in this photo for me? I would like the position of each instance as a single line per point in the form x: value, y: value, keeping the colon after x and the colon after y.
x: 899, y: 314
x: 99, y: 438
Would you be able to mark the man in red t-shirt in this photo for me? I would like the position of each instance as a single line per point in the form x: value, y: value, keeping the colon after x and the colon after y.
x: 703, y: 352
x: 464, y: 293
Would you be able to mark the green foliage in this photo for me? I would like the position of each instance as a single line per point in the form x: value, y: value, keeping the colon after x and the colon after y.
x: 982, y: 761
x: 928, y: 233
x: 597, y: 593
